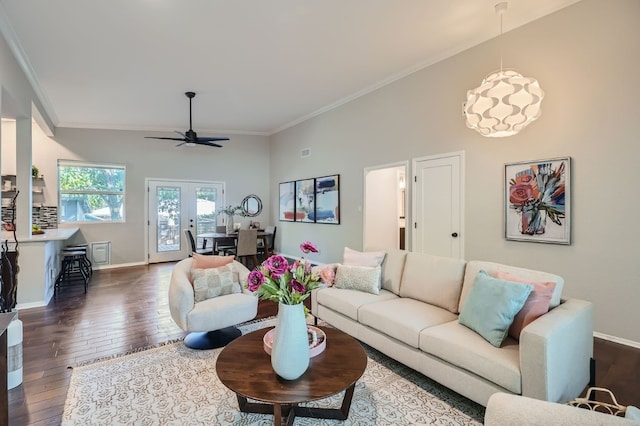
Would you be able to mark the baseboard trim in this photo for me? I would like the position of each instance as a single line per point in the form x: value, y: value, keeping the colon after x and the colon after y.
x: 38, y: 304
x: 616, y: 339
x: 119, y: 265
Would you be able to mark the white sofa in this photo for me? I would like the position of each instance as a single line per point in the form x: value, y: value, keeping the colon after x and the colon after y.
x: 414, y: 319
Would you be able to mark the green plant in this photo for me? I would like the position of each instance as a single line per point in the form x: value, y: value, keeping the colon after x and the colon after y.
x: 34, y: 171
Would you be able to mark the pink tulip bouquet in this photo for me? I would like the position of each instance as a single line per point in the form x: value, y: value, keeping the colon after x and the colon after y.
x: 277, y: 281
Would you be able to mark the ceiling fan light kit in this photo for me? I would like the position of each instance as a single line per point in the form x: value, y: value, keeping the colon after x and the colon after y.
x: 505, y: 102
x: 190, y: 138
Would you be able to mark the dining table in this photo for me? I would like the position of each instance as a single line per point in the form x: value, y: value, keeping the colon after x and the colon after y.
x: 215, y: 236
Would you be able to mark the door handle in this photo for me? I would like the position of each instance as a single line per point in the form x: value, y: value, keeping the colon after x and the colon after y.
x: 454, y: 235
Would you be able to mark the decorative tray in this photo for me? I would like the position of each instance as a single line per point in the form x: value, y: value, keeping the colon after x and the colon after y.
x: 317, y: 340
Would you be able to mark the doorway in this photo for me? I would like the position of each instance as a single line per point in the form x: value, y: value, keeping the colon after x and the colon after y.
x: 438, y: 198
x: 384, y: 206
x: 177, y: 205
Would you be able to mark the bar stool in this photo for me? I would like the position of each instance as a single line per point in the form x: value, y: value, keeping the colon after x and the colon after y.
x: 73, y: 268
x: 86, y: 262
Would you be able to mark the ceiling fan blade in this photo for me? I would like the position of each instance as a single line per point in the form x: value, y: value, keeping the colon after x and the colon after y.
x: 190, y: 138
x: 206, y: 139
x: 202, y: 142
x: 168, y: 139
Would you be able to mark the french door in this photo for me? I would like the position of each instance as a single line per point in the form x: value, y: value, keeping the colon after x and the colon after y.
x: 174, y: 206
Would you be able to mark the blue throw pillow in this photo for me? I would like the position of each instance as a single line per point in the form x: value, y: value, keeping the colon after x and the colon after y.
x: 491, y: 306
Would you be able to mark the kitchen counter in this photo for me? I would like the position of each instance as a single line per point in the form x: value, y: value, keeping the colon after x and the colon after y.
x: 59, y: 234
x: 39, y: 263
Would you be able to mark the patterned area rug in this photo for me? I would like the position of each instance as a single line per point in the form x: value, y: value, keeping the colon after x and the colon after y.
x: 175, y: 385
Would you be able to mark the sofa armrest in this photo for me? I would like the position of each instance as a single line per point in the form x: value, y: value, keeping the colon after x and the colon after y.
x: 181, y: 296
x: 506, y: 409
x: 555, y: 352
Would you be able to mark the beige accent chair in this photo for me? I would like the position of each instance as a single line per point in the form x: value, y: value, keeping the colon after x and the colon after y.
x: 506, y: 410
x: 210, y: 323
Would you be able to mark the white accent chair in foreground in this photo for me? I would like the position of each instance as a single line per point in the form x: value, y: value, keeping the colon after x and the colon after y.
x: 211, y: 322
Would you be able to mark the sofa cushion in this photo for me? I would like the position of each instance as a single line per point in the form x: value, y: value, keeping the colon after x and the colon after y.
x: 362, y: 258
x: 403, y: 318
x: 214, y: 282
x: 474, y: 266
x: 460, y: 346
x: 392, y: 269
x: 433, y: 279
x: 362, y: 278
x: 347, y: 302
x: 536, y: 305
x: 491, y: 306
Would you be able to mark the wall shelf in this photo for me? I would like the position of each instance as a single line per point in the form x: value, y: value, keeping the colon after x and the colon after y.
x: 37, y: 184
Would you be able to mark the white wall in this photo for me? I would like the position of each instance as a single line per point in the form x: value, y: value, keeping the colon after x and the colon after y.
x: 587, y: 59
x: 242, y: 163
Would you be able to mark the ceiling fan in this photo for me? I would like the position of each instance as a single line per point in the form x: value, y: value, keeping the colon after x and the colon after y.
x: 190, y: 138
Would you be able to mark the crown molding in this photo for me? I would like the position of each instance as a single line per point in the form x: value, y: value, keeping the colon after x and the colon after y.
x: 135, y: 128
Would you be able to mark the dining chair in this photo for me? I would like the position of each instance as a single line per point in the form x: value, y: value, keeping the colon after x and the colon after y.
x: 271, y: 239
x: 221, y: 245
x: 191, y: 244
x: 247, y: 246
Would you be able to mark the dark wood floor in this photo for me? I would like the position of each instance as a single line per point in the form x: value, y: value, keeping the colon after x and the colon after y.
x: 126, y: 309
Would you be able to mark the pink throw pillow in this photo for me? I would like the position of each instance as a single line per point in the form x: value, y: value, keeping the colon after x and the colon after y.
x: 537, y: 303
x: 328, y: 275
x: 201, y: 261
x: 362, y: 258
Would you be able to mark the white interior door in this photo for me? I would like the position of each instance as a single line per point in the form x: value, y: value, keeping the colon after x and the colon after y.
x: 438, y: 205
x: 174, y: 206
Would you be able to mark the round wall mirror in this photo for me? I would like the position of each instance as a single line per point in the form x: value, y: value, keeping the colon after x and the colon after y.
x: 251, y: 205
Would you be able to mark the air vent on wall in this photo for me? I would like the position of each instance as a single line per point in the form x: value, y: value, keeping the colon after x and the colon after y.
x: 305, y: 153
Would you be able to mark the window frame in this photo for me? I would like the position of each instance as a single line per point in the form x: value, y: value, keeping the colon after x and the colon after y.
x: 91, y: 165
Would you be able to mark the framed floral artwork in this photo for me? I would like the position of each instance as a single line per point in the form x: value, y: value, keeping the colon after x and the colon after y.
x: 537, y: 201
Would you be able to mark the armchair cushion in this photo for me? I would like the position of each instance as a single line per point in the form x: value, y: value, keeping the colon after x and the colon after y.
x: 214, y: 282
x: 201, y: 261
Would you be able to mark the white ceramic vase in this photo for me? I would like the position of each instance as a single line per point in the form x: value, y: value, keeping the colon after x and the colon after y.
x: 229, y: 224
x: 290, y: 350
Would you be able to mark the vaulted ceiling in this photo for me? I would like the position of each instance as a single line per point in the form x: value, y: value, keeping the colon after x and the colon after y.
x: 257, y: 66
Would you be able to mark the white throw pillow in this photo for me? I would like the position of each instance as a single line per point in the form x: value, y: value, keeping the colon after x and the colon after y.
x: 362, y: 258
x: 361, y: 278
x: 214, y: 282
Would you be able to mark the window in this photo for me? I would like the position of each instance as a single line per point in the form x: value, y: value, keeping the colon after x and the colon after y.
x: 90, y: 192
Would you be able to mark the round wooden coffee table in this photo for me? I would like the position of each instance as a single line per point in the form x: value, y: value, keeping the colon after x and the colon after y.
x: 244, y: 367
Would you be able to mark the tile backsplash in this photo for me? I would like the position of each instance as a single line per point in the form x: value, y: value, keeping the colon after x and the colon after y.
x: 46, y: 217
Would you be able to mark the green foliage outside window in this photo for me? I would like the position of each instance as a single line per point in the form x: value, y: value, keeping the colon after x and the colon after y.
x: 91, y: 192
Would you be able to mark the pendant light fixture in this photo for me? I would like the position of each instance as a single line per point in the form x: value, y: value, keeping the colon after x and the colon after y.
x: 505, y: 102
